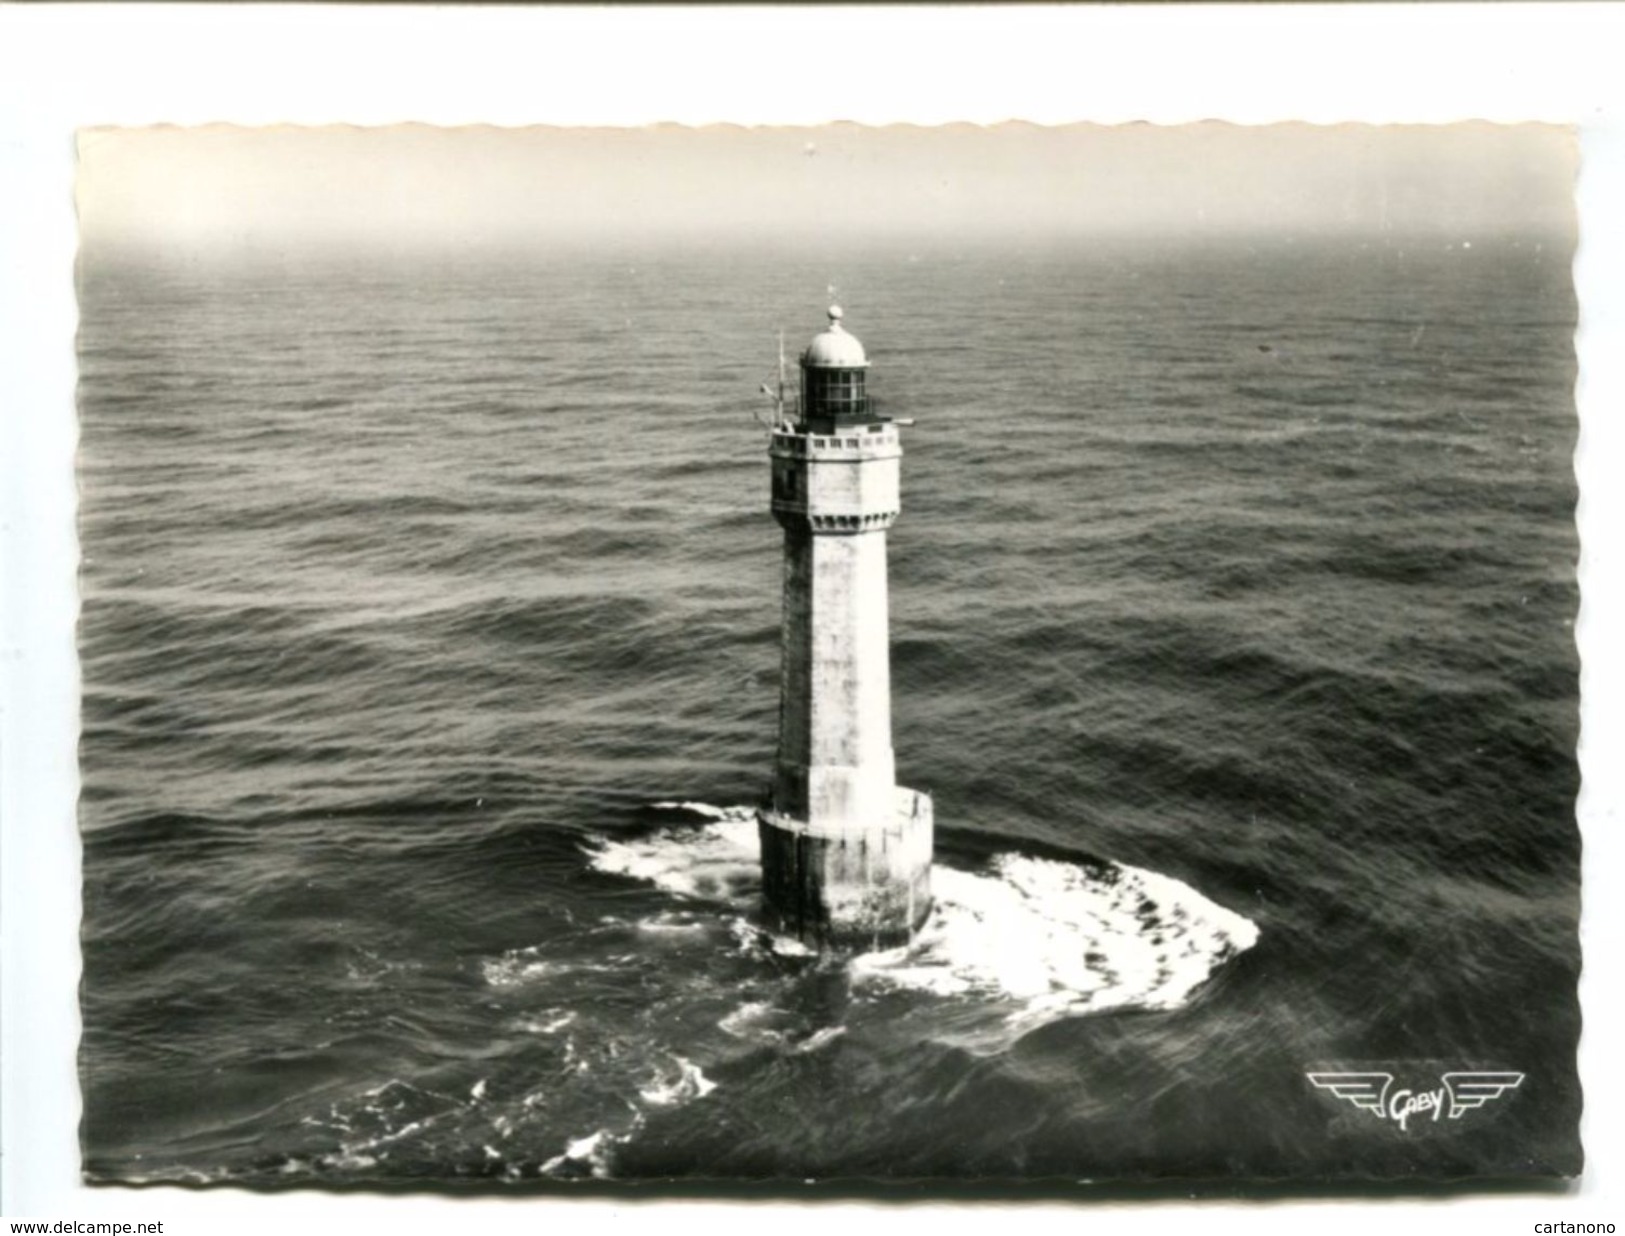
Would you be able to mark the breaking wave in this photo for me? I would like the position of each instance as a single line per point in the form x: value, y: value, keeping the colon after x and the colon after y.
x: 622, y: 1022
x: 1044, y: 938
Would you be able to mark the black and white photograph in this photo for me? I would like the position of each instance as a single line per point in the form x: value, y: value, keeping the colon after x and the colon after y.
x: 937, y: 653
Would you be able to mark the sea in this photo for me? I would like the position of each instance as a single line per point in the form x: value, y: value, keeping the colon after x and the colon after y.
x: 430, y: 673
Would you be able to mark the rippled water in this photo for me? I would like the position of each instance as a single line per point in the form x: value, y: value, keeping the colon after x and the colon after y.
x: 430, y: 607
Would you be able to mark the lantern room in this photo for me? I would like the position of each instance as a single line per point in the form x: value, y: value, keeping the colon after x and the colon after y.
x: 832, y: 377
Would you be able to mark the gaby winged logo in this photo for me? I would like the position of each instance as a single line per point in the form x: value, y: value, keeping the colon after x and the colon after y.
x: 1459, y: 1094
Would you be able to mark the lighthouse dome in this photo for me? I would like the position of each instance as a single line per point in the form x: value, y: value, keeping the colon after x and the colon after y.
x: 834, y: 348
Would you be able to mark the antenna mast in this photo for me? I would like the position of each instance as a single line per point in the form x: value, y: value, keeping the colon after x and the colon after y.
x: 779, y: 402
x: 776, y: 395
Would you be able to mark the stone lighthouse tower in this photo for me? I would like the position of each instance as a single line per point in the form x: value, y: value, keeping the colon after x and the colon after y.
x: 846, y: 851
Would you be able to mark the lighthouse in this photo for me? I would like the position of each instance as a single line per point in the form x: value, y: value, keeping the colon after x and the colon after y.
x: 846, y: 851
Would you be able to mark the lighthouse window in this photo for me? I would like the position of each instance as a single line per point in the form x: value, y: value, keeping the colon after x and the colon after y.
x: 834, y: 392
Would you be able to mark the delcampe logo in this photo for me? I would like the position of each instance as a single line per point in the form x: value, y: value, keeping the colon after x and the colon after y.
x: 1458, y: 1094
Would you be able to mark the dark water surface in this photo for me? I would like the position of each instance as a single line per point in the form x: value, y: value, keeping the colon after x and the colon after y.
x: 420, y: 596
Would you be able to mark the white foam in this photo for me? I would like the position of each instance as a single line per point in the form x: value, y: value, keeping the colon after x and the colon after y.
x: 521, y: 966
x: 1053, y: 938
x: 349, y: 1160
x: 716, y: 861
x: 1058, y: 938
x: 672, y: 923
x: 745, y: 1022
x: 592, y: 1152
x: 820, y: 1038
x: 689, y: 1083
x: 535, y: 1025
x: 750, y: 938
x: 709, y: 810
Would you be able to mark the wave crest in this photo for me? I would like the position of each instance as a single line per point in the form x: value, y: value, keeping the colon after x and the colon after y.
x: 1050, y: 938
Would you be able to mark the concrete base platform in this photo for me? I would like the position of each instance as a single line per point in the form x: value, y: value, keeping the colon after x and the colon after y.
x: 855, y: 888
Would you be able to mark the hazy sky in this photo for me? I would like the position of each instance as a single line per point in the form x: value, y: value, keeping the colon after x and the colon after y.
x: 252, y: 188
